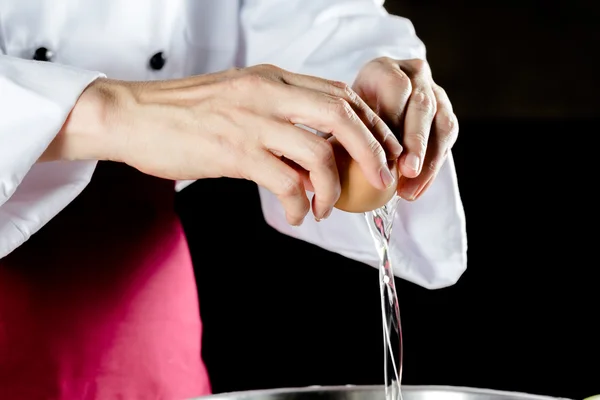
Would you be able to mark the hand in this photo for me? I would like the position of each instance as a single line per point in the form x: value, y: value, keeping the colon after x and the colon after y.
x: 404, y: 94
x: 238, y: 124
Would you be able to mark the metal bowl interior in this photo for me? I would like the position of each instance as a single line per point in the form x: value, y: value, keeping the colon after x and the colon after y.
x: 376, y: 393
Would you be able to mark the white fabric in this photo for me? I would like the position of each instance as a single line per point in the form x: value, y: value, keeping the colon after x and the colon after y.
x: 332, y: 39
x: 35, y: 100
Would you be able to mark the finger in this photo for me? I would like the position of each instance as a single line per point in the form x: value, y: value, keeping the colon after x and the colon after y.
x: 334, y: 115
x: 426, y: 186
x: 412, y: 188
x: 445, y: 121
x: 417, y: 126
x: 368, y: 116
x: 443, y: 137
x: 420, y: 111
x: 422, y: 189
x: 312, y: 153
x: 283, y: 181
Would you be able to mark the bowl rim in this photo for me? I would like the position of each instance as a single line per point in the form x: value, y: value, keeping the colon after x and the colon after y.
x: 408, y: 388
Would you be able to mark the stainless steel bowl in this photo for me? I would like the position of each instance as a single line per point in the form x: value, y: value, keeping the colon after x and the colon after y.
x: 376, y: 393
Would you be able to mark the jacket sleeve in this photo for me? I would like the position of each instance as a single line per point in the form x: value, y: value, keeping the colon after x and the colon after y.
x: 334, y: 39
x: 35, y: 100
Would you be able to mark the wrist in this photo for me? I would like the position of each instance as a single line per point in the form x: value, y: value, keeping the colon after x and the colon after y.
x: 90, y: 131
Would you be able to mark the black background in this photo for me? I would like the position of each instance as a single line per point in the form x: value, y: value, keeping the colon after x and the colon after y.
x: 278, y: 312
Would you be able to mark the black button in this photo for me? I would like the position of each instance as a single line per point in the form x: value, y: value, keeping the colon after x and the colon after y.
x: 42, y: 54
x: 158, y: 61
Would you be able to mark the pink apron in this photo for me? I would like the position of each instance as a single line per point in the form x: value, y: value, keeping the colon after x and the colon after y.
x: 102, y: 302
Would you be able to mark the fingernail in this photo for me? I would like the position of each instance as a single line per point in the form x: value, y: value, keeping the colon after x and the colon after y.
x: 324, y: 216
x: 386, y: 176
x: 413, y: 162
x: 393, y: 147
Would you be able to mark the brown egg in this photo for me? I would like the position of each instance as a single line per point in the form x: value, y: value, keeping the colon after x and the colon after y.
x: 358, y: 195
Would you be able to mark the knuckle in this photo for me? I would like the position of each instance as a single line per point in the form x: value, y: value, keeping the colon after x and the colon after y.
x: 447, y: 128
x: 449, y: 124
x: 339, y: 85
x: 267, y: 67
x: 249, y: 81
x: 340, y: 108
x: 434, y: 164
x: 440, y: 91
x: 376, y: 149
x: 272, y: 72
x: 398, y: 78
x: 401, y: 83
x: 419, y: 141
x: 322, y: 152
x: 342, y: 89
x: 383, y: 60
x: 406, y: 85
x: 418, y: 65
x: 423, y: 101
x: 376, y: 123
x: 290, y: 185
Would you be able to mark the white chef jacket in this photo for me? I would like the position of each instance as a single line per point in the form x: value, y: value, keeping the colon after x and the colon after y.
x: 85, y: 40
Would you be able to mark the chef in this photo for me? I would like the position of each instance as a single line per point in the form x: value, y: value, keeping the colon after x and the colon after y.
x: 108, y: 108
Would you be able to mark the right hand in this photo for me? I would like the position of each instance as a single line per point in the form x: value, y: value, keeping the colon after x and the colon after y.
x: 240, y: 124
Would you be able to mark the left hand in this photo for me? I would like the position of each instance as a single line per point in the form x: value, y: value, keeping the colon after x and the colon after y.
x: 404, y: 95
